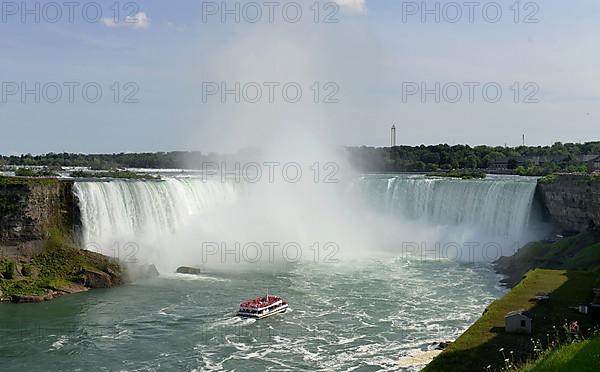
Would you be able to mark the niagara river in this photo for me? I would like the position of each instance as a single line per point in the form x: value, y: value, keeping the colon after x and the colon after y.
x: 376, y: 300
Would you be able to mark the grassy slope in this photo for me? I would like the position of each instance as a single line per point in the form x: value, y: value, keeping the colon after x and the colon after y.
x: 580, y: 252
x: 60, y: 265
x: 583, y: 356
x: 479, y: 346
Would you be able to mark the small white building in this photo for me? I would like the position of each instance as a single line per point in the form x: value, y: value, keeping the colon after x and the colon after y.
x: 584, y: 309
x: 518, y: 321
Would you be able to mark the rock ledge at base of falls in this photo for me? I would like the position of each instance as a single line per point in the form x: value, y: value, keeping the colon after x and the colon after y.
x: 40, y: 255
x: 69, y: 289
x: 61, y: 268
x: 188, y: 270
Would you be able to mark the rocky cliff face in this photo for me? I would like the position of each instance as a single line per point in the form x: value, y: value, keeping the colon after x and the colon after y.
x: 39, y: 255
x: 573, y: 202
x: 29, y: 209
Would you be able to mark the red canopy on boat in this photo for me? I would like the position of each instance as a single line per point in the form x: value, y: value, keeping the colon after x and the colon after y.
x: 261, y: 302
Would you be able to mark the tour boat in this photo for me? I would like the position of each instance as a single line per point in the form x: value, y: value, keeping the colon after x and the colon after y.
x: 262, y: 307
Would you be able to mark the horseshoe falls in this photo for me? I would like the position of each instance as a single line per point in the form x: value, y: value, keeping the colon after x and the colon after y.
x: 496, y: 209
x: 356, y: 312
x: 499, y: 207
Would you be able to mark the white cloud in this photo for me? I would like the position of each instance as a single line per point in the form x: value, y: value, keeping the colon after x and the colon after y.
x: 138, y: 21
x: 358, y: 6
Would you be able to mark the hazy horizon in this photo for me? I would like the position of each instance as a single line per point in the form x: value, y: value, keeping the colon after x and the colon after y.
x: 252, y: 148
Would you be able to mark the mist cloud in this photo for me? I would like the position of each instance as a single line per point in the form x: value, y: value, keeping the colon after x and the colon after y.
x: 358, y: 6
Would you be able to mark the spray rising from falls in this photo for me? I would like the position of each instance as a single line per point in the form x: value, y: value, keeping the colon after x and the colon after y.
x: 170, y: 219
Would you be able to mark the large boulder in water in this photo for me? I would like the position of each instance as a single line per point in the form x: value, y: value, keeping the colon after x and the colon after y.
x: 188, y: 270
x: 141, y: 272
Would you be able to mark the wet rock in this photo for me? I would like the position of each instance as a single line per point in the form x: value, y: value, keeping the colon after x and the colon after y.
x: 52, y: 295
x: 141, y: 272
x: 442, y: 345
x: 188, y: 270
x: 26, y: 299
x: 73, y: 288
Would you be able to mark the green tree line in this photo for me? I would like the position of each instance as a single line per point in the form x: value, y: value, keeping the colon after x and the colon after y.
x: 369, y: 159
x: 563, y: 157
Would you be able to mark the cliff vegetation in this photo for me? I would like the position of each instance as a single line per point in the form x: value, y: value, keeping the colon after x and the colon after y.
x: 486, y: 346
x: 39, y: 259
x: 579, y: 252
x: 60, y: 268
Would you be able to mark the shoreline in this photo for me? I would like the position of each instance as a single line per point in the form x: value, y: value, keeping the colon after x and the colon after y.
x: 419, y: 359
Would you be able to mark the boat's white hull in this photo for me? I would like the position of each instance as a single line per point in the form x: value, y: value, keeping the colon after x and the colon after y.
x: 279, y: 310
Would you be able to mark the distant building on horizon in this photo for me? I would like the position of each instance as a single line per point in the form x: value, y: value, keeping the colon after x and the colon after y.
x: 393, y: 136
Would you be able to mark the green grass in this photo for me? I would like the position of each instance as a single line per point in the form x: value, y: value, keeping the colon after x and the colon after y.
x: 551, y: 178
x: 588, y: 257
x: 581, y: 356
x: 23, y: 287
x: 480, y: 345
x: 7, y: 269
x: 59, y: 265
x: 58, y: 258
x: 571, y: 178
x: 579, y: 252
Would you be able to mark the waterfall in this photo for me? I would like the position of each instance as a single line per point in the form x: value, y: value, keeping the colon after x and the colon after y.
x: 500, y: 206
x: 172, y: 216
x: 120, y: 210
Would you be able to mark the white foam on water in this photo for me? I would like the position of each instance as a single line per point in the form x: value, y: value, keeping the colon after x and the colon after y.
x: 60, y: 343
x: 192, y: 278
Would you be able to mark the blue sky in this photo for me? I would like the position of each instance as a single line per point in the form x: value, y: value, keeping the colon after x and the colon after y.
x: 368, y: 54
